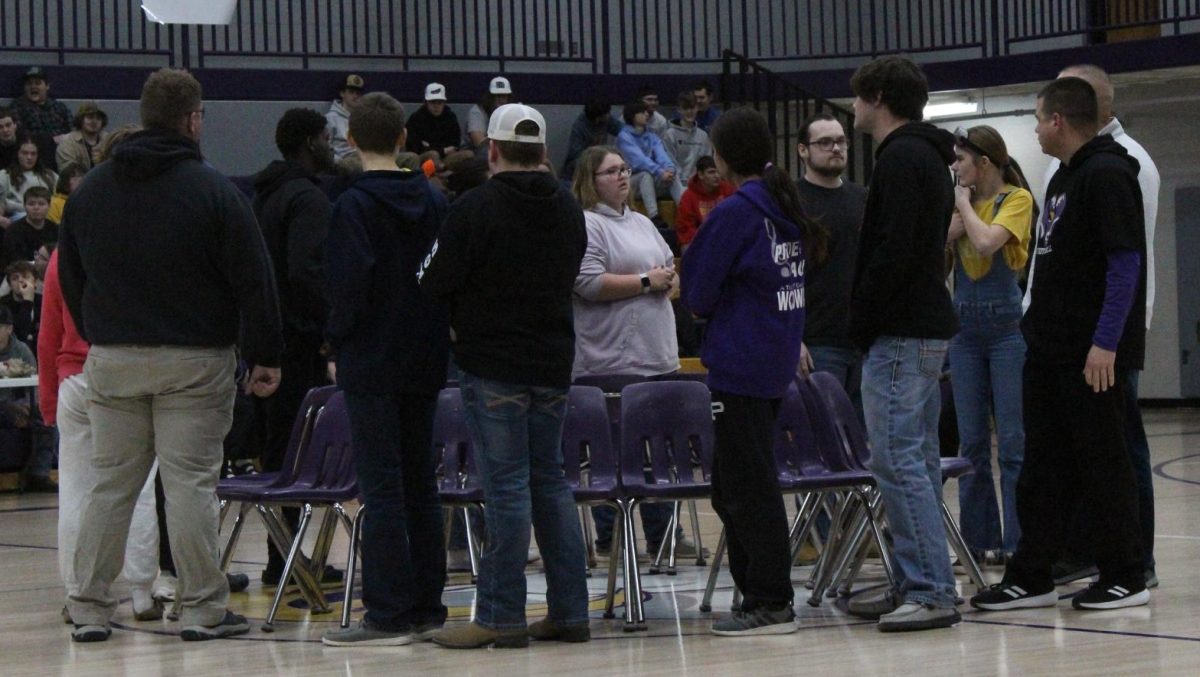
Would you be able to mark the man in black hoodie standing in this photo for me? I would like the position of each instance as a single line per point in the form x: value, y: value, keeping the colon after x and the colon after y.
x: 162, y: 331
x: 901, y: 318
x: 391, y: 344
x: 1085, y: 328
x: 293, y: 213
x: 506, y: 261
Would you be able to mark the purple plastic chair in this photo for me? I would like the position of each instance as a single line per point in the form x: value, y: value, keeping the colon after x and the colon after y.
x: 326, y: 477
x: 247, y: 488
x: 666, y: 439
x: 841, y: 410
x: 459, y: 485
x: 590, y: 466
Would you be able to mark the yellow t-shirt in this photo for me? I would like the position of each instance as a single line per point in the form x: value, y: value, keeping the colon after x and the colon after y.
x: 1015, y: 215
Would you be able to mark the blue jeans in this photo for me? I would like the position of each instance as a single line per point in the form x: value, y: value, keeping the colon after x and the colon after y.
x: 846, y: 365
x: 986, y: 360
x: 403, y: 552
x: 517, y: 434
x: 902, y: 402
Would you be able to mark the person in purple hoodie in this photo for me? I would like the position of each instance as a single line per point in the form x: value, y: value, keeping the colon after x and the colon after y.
x: 744, y: 272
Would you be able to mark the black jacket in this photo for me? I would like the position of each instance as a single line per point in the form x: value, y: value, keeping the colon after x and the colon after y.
x: 293, y: 213
x: 427, y: 131
x: 1093, y: 207
x: 21, y: 240
x: 506, y: 261
x: 158, y: 249
x: 387, y: 336
x: 900, y: 277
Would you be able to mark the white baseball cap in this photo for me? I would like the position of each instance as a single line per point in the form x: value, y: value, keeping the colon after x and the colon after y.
x: 500, y: 86
x: 435, y: 91
x: 503, y: 124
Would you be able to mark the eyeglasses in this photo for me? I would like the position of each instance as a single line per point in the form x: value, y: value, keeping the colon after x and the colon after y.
x: 622, y: 170
x: 828, y: 143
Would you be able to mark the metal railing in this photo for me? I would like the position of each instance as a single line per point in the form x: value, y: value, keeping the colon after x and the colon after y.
x: 786, y: 106
x: 596, y: 36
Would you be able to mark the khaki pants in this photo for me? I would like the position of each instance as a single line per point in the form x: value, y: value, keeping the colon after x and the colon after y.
x: 171, y: 403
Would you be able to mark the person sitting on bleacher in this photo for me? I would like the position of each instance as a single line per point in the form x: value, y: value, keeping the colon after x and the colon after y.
x: 654, y: 172
x: 593, y: 127
x: 704, y: 192
x: 684, y: 139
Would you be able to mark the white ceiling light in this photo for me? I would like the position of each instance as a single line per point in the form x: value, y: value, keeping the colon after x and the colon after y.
x: 949, y: 109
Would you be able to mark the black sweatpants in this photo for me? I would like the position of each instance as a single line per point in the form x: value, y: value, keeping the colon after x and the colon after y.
x: 1075, y: 450
x: 745, y: 494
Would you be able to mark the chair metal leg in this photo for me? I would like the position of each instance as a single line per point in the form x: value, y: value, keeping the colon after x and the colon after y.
x: 472, y: 545
x: 320, y: 551
x: 288, y: 566
x: 666, y: 544
x: 615, y: 547
x: 351, y: 562
x: 695, y: 515
x: 281, y: 535
x: 714, y: 569
x: 960, y: 547
x: 225, y: 505
x: 635, y: 617
x: 239, y: 521
x: 585, y: 519
x: 832, y: 546
x: 846, y: 529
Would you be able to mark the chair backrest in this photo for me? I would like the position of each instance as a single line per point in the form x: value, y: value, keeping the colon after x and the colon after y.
x: 452, y: 443
x: 328, y: 459
x: 839, y: 410
x: 796, y: 448
x: 302, y: 426
x: 587, y: 439
x: 666, y: 433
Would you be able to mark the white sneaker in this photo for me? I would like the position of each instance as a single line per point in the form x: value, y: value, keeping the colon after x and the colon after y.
x: 145, y: 606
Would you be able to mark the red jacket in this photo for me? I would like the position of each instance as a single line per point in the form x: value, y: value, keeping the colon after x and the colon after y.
x: 61, y: 350
x: 695, y: 206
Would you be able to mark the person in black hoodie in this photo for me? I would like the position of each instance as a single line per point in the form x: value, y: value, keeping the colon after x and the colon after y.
x: 901, y: 318
x: 1087, y: 314
x: 391, y: 345
x: 506, y: 262
x: 293, y: 213
x: 162, y: 332
x: 434, y: 127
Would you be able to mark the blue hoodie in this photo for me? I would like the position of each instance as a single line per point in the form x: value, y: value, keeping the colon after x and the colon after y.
x: 744, y: 271
x: 388, y: 337
x: 644, y: 151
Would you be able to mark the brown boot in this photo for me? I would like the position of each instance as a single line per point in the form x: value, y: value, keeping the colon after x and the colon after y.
x: 548, y: 630
x: 475, y: 636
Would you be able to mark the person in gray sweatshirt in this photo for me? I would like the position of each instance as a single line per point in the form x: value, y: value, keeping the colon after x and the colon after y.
x: 684, y: 139
x: 624, y: 323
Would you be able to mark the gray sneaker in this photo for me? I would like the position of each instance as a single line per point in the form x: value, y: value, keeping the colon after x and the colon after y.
x: 365, y: 635
x: 916, y: 616
x: 761, y: 621
x: 232, y: 624
x: 872, y: 606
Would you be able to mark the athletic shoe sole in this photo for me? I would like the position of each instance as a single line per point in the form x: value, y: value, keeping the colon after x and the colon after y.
x: 398, y: 640
x: 200, y: 633
x: 946, y: 621
x: 772, y: 629
x: 1047, y: 599
x: 1136, y: 599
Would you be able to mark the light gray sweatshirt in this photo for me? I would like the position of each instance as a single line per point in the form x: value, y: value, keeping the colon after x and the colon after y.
x: 634, y: 335
x: 686, y: 145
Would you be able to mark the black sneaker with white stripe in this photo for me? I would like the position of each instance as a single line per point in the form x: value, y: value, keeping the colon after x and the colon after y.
x: 1006, y: 595
x: 1102, y: 595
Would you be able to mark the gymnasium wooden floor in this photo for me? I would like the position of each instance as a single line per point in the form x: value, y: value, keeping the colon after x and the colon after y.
x: 1162, y: 638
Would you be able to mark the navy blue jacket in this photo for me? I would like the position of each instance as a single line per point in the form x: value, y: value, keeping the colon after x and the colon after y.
x: 744, y: 271
x: 388, y: 338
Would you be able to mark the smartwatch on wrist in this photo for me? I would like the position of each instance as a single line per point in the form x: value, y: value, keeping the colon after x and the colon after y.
x: 645, y: 283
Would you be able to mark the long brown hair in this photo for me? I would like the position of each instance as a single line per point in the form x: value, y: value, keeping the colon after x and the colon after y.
x: 16, y: 174
x: 583, y: 184
x: 987, y: 141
